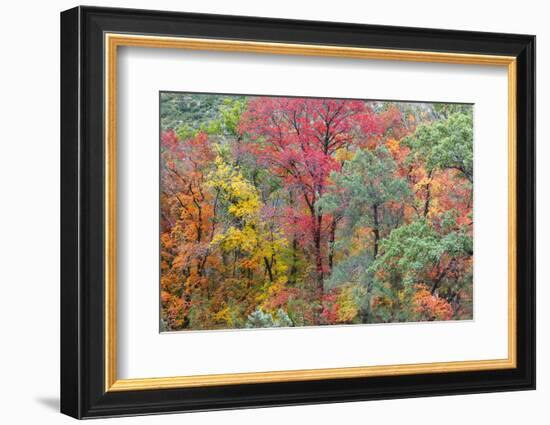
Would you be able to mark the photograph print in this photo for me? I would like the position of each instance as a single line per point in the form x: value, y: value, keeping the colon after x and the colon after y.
x: 299, y: 211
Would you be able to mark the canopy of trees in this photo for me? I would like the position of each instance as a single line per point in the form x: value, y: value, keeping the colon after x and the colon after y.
x: 282, y: 211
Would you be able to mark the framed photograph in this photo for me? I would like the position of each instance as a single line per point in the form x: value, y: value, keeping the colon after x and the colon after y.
x: 261, y: 212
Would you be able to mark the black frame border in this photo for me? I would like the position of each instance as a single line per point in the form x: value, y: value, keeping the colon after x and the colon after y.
x: 82, y: 204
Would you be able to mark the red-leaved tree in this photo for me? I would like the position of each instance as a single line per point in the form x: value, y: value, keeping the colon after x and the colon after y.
x: 299, y: 140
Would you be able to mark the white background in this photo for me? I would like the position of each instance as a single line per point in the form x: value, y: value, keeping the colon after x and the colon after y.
x: 29, y: 224
x: 140, y: 344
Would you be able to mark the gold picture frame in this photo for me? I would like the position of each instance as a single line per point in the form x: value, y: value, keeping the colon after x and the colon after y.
x: 91, y: 41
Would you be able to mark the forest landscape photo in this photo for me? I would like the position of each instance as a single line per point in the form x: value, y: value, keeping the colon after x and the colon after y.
x: 289, y: 211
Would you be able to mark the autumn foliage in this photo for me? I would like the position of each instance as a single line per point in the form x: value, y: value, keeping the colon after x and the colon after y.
x: 301, y: 211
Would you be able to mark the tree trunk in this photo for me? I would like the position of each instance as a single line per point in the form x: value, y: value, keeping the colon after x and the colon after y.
x: 269, y: 269
x: 234, y: 263
x: 331, y: 238
x: 376, y: 229
x: 428, y: 195
x: 318, y: 256
x: 294, y: 265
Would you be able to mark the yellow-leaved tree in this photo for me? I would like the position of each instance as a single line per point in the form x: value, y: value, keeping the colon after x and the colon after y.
x: 250, y: 246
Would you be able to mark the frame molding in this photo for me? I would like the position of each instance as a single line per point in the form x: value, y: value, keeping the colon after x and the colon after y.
x: 90, y: 38
x: 113, y: 41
